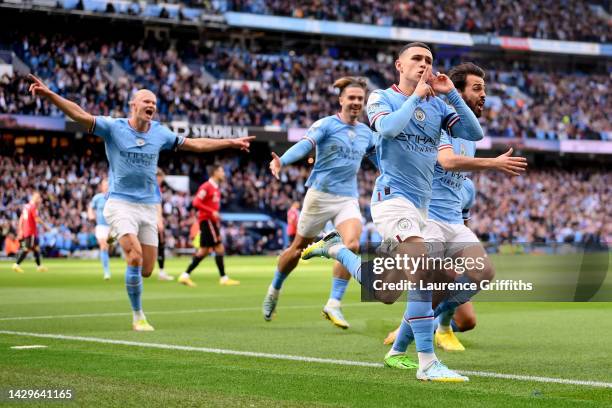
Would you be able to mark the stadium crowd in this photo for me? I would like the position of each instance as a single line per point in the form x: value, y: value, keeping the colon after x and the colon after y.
x: 543, y: 206
x: 284, y: 90
x: 569, y: 20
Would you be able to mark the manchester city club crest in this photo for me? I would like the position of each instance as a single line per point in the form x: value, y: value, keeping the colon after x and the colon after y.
x: 404, y: 224
x: 140, y: 142
x: 419, y: 114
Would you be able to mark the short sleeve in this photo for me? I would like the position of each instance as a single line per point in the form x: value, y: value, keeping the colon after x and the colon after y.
x: 102, y: 126
x: 171, y: 140
x: 316, y: 132
x: 377, y: 107
x: 445, y: 141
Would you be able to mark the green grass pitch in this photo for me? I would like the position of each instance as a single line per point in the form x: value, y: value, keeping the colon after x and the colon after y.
x: 553, y: 340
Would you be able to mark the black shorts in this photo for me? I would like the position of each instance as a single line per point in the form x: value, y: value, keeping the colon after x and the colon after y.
x: 30, y: 242
x: 209, y: 234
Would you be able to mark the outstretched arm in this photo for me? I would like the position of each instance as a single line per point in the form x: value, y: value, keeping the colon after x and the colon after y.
x: 513, y: 166
x: 210, y: 145
x: 70, y: 109
x: 295, y: 153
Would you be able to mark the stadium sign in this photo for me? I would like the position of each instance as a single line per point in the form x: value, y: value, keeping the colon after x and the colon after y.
x: 186, y: 129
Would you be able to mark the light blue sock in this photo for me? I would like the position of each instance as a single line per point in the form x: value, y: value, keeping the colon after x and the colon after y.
x: 279, y: 278
x: 105, y: 260
x: 445, y: 317
x: 456, y: 328
x: 404, y: 337
x: 420, y: 316
x: 456, y: 298
x: 338, y: 288
x: 351, y: 262
x: 133, y: 283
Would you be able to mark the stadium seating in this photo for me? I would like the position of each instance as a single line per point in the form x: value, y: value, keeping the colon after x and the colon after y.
x: 545, y: 206
x: 286, y: 90
x: 572, y: 21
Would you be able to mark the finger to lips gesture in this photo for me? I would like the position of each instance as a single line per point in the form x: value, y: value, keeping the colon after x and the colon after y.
x: 423, y: 89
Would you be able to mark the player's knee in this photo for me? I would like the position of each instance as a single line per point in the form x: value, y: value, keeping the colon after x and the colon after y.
x: 488, y: 273
x: 220, y: 250
x: 147, y: 271
x: 466, y: 324
x: 134, y: 257
x: 353, y: 245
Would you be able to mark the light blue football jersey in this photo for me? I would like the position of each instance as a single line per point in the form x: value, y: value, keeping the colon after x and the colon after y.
x: 97, y: 203
x: 447, y: 197
x: 468, y: 197
x: 406, y: 161
x: 340, y: 147
x: 133, y: 157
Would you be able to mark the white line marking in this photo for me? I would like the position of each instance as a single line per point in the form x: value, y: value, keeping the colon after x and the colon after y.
x: 296, y: 358
x: 34, y: 346
x: 210, y: 310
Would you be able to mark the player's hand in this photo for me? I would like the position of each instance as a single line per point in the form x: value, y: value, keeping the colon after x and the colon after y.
x: 216, y: 215
x: 513, y: 166
x: 38, y: 87
x: 242, y: 143
x: 442, y: 84
x: 423, y: 90
x: 275, y: 165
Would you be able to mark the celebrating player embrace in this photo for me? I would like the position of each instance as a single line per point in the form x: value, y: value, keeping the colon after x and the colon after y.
x: 132, y: 148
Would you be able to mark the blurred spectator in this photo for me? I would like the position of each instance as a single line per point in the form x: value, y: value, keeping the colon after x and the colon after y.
x: 547, y: 205
x: 286, y: 90
x: 570, y: 20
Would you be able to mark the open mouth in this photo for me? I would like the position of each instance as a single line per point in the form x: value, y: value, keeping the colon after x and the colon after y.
x: 149, y: 111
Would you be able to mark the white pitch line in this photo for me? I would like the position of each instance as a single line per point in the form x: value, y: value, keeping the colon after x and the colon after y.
x: 210, y: 310
x: 297, y: 358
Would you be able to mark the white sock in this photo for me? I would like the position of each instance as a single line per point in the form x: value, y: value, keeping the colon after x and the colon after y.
x: 425, y: 359
x: 139, y: 315
x: 334, y: 249
x: 224, y: 278
x: 444, y: 329
x: 161, y: 272
x: 273, y: 292
x: 185, y: 275
x: 333, y: 303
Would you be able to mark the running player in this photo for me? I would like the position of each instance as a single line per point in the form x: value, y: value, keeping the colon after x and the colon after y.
x: 208, y: 202
x: 132, y: 148
x: 410, y: 119
x: 161, y: 247
x: 341, y: 142
x: 27, y: 233
x: 95, y: 213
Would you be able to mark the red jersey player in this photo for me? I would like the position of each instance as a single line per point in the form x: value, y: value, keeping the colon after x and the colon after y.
x: 293, y: 215
x: 208, y: 201
x: 27, y: 233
